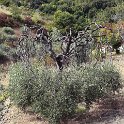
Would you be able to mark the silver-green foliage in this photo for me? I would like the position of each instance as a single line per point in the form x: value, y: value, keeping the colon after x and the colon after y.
x: 21, y: 81
x: 7, y: 34
x: 8, y: 30
x: 55, y: 95
x: 8, y: 52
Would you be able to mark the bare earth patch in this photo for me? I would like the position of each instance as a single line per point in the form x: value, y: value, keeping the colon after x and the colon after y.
x: 16, y: 116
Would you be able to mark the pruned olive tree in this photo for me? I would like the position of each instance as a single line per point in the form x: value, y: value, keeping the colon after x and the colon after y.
x: 78, y: 46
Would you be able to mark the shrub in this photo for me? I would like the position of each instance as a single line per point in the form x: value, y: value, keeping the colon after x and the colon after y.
x: 8, y: 30
x: 63, y: 20
x: 16, y: 14
x: 66, y: 8
x: 101, y: 80
x: 4, y: 49
x: 20, y: 85
x: 36, y: 3
x: 110, y: 78
x: 102, y: 4
x: 17, y: 17
x: 36, y: 18
x: 10, y: 38
x: 7, y: 34
x: 7, y: 53
x: 48, y: 8
x: 56, y: 95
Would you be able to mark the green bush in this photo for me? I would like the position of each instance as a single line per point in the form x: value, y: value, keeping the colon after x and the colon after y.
x: 63, y: 20
x: 16, y: 13
x: 37, y: 18
x: 56, y: 95
x: 4, y: 49
x: 66, y: 8
x: 7, y: 52
x: 101, y: 80
x: 10, y: 38
x: 48, y: 94
x: 7, y: 34
x: 110, y: 78
x: 20, y: 87
x: 8, y: 30
x: 48, y: 8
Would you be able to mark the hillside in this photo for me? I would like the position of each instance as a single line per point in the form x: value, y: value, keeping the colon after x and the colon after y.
x: 108, y: 111
x: 61, y: 61
x: 65, y: 14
